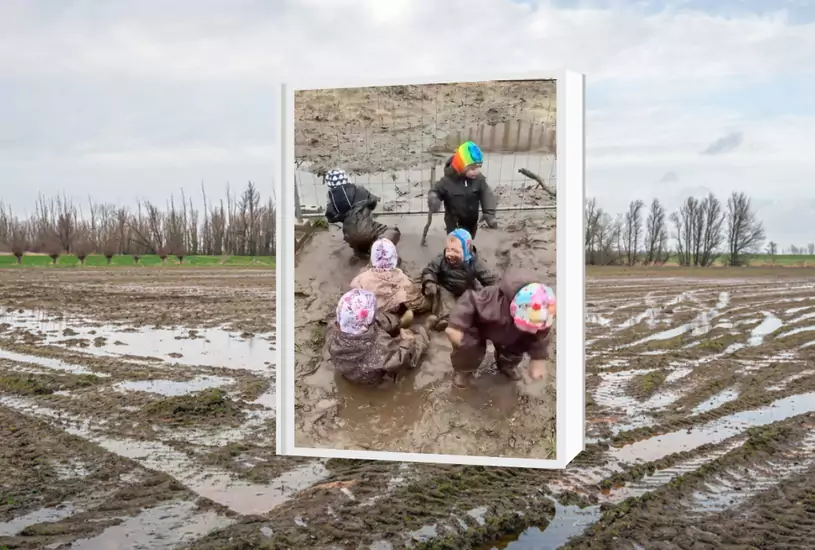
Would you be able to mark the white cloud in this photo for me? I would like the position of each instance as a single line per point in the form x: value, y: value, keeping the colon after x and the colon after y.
x: 661, y: 78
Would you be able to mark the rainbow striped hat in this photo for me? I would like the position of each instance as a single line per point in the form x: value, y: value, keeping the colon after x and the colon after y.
x: 467, y: 154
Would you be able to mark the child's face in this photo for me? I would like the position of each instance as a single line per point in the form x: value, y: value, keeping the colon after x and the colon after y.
x: 472, y: 172
x: 453, y: 252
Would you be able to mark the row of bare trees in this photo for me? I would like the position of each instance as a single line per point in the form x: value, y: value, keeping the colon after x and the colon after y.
x: 697, y: 234
x: 241, y: 224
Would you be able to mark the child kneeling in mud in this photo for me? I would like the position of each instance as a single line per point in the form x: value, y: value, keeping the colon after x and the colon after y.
x: 353, y: 206
x: 395, y: 292
x: 451, y: 274
x: 516, y: 315
x: 368, y: 347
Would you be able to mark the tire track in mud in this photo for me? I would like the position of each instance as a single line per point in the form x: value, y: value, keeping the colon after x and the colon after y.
x: 674, y: 420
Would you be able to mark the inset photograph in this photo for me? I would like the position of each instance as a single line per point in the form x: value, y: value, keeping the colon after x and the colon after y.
x: 426, y: 295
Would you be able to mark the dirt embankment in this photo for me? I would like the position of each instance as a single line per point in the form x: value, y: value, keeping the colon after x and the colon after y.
x: 382, y: 129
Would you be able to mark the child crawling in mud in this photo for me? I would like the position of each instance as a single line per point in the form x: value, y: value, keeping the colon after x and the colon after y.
x: 462, y: 190
x: 367, y: 346
x: 451, y: 274
x: 395, y: 292
x: 353, y: 206
x: 516, y: 315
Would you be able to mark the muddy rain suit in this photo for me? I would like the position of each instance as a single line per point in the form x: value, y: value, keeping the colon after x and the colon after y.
x: 353, y: 206
x: 484, y: 316
x: 454, y: 280
x: 462, y: 199
x: 380, y: 354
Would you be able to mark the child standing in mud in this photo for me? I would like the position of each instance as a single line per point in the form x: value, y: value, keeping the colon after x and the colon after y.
x: 516, y: 315
x: 395, y: 292
x: 451, y: 274
x: 462, y: 190
x: 367, y: 346
x: 353, y: 206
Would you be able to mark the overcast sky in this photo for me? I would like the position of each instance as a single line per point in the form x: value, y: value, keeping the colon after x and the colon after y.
x: 122, y: 100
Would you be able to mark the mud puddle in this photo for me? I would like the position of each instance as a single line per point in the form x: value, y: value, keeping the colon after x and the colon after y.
x: 730, y: 394
x: 214, y: 347
x: 568, y: 522
x: 653, y: 449
x: 44, y: 515
x: 167, y: 526
x: 212, y: 483
x: 48, y: 363
x: 423, y: 412
x: 172, y: 388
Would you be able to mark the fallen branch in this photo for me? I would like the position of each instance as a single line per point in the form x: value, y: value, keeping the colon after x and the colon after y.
x: 537, y: 178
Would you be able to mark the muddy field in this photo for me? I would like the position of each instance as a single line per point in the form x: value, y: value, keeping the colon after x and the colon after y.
x: 701, y: 399
x: 424, y: 412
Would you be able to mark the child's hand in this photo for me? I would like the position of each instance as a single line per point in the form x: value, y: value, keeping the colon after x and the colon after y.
x: 454, y: 335
x: 537, y: 369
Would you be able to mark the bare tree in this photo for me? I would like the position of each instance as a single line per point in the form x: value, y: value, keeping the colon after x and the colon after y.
x: 745, y: 233
x: 711, y: 219
x: 633, y: 231
x: 656, y: 234
x: 83, y: 243
x: 685, y: 223
x: 811, y: 249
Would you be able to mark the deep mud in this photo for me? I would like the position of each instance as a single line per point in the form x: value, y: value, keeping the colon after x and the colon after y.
x: 717, y: 454
x: 424, y: 412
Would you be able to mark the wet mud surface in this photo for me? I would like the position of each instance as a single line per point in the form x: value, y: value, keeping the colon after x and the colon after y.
x: 387, y: 129
x: 714, y: 450
x: 423, y: 412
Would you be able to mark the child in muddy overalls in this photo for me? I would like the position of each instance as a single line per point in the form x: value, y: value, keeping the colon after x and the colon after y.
x: 462, y: 190
x: 395, y: 292
x: 451, y: 274
x: 353, y: 206
x: 516, y: 315
x: 368, y: 347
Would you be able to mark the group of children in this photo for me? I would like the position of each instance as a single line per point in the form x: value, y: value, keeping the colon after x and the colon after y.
x: 375, y: 338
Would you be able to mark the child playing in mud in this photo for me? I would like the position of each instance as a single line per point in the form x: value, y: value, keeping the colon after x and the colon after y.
x: 353, y: 206
x: 451, y: 274
x: 516, y: 315
x: 462, y: 189
x: 367, y: 346
x: 395, y: 292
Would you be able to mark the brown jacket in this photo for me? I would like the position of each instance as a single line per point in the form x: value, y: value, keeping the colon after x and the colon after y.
x: 484, y: 315
x: 382, y: 352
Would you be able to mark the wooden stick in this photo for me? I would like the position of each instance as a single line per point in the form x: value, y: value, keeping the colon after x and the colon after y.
x: 537, y: 178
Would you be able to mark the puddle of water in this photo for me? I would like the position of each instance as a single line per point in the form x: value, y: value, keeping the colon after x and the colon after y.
x: 664, y: 476
x: 569, y: 521
x: 424, y: 533
x: 43, y: 515
x: 171, y: 388
x: 728, y: 491
x: 48, y: 363
x: 217, y: 485
x: 716, y: 401
x: 166, y: 526
x: 804, y: 317
x: 770, y: 324
x: 798, y: 330
x: 597, y: 319
x: 213, y: 347
x: 724, y: 300
x: 716, y: 431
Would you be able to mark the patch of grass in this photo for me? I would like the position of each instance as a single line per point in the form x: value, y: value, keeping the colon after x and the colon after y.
x: 645, y: 385
x: 35, y: 384
x: 97, y: 261
x: 208, y: 404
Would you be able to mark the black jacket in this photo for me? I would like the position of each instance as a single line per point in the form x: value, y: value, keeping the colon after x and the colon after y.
x: 457, y: 278
x: 462, y: 198
x: 353, y: 206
